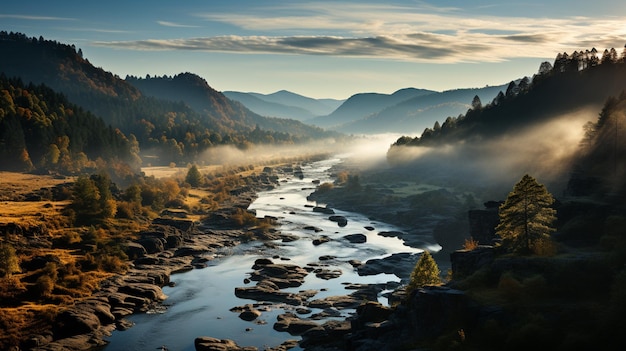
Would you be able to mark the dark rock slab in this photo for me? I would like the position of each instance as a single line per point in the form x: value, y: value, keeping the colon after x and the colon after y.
x: 400, y: 264
x: 207, y: 343
x: 356, y: 238
x: 292, y: 324
x: 340, y: 220
x: 321, y: 240
x: 324, y: 210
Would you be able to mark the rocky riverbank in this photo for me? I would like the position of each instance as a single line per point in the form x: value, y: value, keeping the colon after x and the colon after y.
x: 171, y: 244
x: 174, y: 244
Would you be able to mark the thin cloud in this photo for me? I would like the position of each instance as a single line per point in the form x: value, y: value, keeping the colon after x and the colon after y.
x: 176, y: 25
x: 528, y: 38
x: 95, y: 30
x: 36, y: 18
x: 391, y: 32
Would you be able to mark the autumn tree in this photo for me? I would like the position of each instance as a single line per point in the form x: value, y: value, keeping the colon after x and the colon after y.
x: 426, y: 272
x: 526, y: 217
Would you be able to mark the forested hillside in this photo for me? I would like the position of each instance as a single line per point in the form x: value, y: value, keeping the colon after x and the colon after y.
x: 419, y: 112
x: 218, y: 109
x: 574, y: 81
x: 41, y: 129
x: 176, y: 124
x: 600, y: 168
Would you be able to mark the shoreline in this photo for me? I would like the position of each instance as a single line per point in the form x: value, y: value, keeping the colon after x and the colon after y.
x: 187, y: 246
x: 86, y: 324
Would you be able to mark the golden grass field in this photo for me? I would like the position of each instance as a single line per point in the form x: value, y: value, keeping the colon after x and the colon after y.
x: 12, y: 207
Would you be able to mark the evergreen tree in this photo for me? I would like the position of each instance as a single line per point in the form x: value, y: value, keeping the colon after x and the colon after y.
x: 92, y: 198
x: 194, y: 177
x: 426, y: 272
x: 86, y: 197
x: 526, y: 216
x: 476, y: 103
x: 9, y: 262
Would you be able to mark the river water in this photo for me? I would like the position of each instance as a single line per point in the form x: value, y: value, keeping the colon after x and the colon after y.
x: 200, y: 302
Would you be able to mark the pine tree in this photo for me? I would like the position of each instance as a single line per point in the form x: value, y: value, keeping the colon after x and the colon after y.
x: 526, y: 216
x: 194, y: 177
x: 426, y: 272
x: 9, y: 263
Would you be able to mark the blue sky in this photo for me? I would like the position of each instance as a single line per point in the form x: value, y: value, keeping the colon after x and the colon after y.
x: 324, y: 48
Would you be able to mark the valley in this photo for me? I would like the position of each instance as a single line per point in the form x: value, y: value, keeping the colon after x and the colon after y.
x: 156, y: 211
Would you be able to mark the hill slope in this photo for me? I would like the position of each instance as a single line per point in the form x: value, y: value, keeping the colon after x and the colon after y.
x: 421, y: 111
x: 267, y: 108
x: 551, y: 94
x: 364, y: 104
x: 194, y: 116
x: 196, y: 92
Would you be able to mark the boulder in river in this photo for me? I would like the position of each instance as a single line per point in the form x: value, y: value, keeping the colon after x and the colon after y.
x: 400, y: 264
x: 289, y: 322
x: 325, y: 210
x: 356, y: 238
x: 207, y: 343
x: 340, y: 220
x: 322, y: 239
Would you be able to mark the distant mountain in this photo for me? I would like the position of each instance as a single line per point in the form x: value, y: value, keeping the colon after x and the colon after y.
x: 267, y: 108
x: 196, y: 92
x: 285, y: 104
x: 418, y: 112
x: 364, y: 104
x: 317, y: 107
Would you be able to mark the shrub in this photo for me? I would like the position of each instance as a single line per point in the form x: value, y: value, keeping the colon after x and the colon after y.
x: 9, y: 262
x: 543, y: 247
x: 325, y: 187
x: 509, y: 287
x: 470, y: 244
x: 69, y: 238
x: 44, y: 285
x: 127, y: 210
x: 10, y: 287
x: 243, y: 217
x: 113, y: 264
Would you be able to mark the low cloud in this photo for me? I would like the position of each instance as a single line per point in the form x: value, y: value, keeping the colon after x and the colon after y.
x: 544, y: 151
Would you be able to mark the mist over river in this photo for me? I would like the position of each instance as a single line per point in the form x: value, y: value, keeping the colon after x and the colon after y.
x: 199, y: 304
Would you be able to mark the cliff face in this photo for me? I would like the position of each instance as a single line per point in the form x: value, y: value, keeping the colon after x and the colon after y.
x: 482, y: 223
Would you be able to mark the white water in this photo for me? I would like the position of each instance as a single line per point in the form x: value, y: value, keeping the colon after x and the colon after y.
x: 200, y: 303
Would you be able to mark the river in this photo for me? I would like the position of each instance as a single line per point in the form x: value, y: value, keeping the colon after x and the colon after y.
x: 200, y: 302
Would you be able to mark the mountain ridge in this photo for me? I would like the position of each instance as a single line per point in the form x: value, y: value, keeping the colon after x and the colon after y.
x: 284, y: 104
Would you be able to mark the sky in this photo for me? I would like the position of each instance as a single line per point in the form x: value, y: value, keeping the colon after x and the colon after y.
x: 324, y: 49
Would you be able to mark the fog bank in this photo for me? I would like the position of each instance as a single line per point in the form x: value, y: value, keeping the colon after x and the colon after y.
x: 544, y: 151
